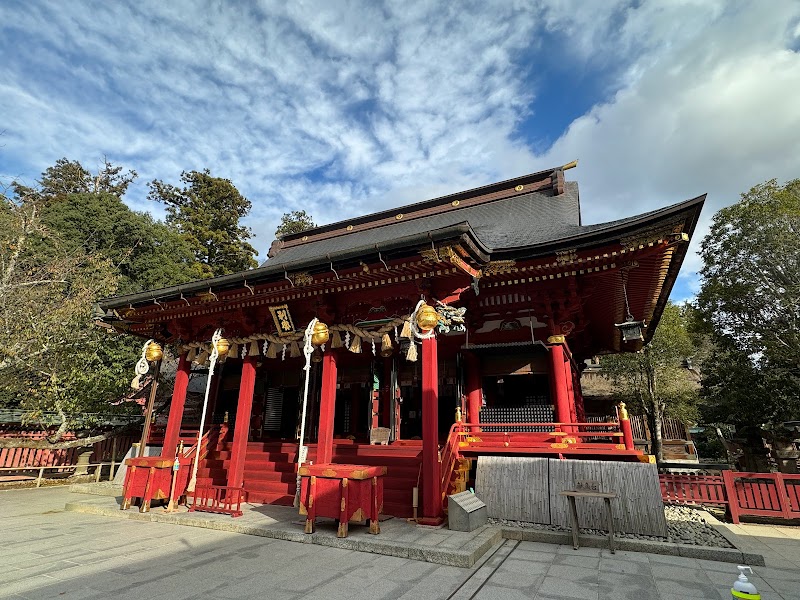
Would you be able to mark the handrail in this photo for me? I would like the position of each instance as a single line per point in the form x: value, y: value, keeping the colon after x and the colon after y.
x: 204, y: 443
x: 449, y: 458
x: 537, y: 424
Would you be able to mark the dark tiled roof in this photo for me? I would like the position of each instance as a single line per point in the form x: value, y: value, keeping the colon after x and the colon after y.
x: 521, y: 221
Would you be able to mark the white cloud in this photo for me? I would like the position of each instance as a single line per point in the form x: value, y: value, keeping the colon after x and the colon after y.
x: 709, y: 109
x: 345, y: 108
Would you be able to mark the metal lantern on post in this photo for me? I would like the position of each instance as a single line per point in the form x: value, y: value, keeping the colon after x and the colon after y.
x: 631, y: 330
x: 151, y: 353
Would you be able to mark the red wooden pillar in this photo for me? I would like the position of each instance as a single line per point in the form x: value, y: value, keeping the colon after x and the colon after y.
x: 241, y: 430
x: 327, y: 406
x: 558, y: 380
x: 473, y: 388
x: 431, y: 492
x: 176, y: 407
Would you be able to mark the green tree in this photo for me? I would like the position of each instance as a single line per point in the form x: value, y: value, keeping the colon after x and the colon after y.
x: 146, y: 253
x: 71, y: 177
x: 63, y: 245
x: 52, y: 359
x: 750, y: 305
x: 655, y: 380
x: 294, y: 222
x: 207, y: 211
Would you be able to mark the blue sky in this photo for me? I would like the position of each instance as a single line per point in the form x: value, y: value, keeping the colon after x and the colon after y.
x: 342, y: 108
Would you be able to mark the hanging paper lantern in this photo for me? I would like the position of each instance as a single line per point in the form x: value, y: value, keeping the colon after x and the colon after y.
x: 154, y: 352
x: 320, y: 334
x: 427, y: 317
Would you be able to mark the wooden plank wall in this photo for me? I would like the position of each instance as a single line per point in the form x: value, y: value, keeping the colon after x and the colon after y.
x: 527, y: 489
x: 514, y: 488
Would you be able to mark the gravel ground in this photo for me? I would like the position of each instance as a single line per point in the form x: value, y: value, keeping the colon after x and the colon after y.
x: 685, y: 525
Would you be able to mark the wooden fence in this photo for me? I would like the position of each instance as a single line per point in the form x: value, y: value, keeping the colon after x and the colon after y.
x: 102, y: 451
x: 742, y: 494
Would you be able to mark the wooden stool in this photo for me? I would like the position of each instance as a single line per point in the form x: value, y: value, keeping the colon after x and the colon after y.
x: 606, y: 496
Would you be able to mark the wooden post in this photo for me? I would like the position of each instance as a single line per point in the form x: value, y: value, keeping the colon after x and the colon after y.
x: 558, y: 382
x: 473, y: 389
x: 431, y: 492
x: 241, y: 431
x: 148, y: 414
x: 627, y: 432
x: 327, y: 407
x: 176, y: 407
x: 113, y: 457
x: 730, y: 492
x: 573, y: 410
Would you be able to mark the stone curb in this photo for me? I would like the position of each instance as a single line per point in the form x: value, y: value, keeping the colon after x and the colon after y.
x: 748, y: 558
x: 466, y: 556
x: 96, y: 489
x: 730, y: 555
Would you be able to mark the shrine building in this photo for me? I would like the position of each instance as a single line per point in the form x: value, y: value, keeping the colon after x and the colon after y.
x: 456, y: 327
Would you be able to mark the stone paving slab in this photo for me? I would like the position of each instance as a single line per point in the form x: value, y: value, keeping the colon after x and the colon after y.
x: 398, y: 538
x: 126, y: 559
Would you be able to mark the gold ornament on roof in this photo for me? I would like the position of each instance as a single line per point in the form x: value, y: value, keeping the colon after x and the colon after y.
x: 153, y: 353
x: 320, y: 335
x: 427, y: 317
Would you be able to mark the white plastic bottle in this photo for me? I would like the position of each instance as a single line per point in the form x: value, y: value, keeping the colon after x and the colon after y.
x: 742, y: 588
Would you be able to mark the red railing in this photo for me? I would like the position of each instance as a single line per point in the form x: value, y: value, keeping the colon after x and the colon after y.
x: 511, y: 436
x: 744, y: 494
x: 218, y: 499
x: 210, y: 439
x: 449, y: 459
x: 521, y: 432
x: 688, y: 489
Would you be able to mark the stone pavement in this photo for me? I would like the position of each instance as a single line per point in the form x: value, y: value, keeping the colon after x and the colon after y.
x: 47, y: 552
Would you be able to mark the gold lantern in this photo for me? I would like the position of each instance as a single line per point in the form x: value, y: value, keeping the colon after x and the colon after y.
x: 427, y: 317
x: 223, y: 345
x: 320, y: 334
x: 153, y: 353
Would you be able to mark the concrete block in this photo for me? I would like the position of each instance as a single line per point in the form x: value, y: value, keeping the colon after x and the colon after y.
x: 466, y: 512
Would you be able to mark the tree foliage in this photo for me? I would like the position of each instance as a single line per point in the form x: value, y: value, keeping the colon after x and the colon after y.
x: 207, y: 211
x: 294, y: 222
x: 146, y: 254
x: 63, y: 245
x: 655, y: 380
x: 51, y: 358
x: 750, y: 305
x: 68, y: 177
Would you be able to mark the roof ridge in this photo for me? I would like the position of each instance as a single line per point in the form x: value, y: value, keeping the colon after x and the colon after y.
x: 541, y: 181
